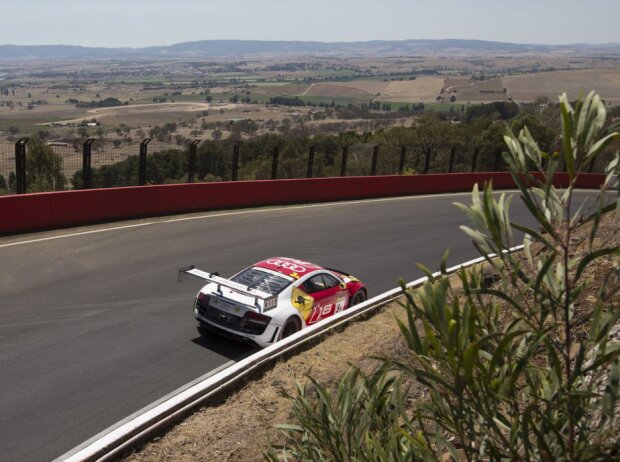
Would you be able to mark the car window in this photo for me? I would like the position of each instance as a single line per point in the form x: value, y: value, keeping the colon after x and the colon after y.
x: 330, y: 281
x: 261, y: 280
x: 314, y: 284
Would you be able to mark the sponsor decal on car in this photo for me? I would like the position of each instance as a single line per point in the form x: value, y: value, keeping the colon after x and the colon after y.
x: 289, y: 266
x: 305, y: 308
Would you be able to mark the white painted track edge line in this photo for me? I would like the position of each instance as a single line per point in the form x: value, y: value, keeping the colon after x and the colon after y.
x: 248, y: 211
x: 150, y: 420
x: 238, y: 212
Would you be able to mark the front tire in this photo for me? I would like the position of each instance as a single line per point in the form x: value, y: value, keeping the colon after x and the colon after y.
x: 359, y: 297
x: 291, y: 326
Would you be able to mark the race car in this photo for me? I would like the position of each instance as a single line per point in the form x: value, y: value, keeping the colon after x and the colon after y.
x: 272, y: 299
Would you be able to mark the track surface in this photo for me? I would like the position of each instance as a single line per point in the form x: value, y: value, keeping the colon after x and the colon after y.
x: 94, y: 326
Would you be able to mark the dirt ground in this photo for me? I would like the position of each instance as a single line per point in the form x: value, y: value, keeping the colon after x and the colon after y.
x: 238, y: 429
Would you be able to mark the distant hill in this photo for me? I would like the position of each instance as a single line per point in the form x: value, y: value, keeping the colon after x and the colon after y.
x: 240, y: 48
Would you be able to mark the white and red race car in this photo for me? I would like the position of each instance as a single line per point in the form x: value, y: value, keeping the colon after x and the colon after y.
x: 272, y: 299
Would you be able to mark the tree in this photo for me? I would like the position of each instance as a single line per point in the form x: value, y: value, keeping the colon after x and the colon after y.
x: 490, y: 144
x: 523, y: 370
x: 12, y: 181
x: 43, y: 167
x: 544, y: 135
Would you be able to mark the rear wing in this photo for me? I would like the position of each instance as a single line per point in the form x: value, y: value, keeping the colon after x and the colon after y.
x: 269, y: 301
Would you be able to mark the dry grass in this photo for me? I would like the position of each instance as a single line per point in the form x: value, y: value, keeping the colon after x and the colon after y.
x: 282, y: 90
x: 371, y: 87
x: 551, y: 84
x: 422, y: 89
x: 336, y: 89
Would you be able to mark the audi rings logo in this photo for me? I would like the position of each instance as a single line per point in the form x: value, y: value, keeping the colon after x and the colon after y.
x: 293, y: 265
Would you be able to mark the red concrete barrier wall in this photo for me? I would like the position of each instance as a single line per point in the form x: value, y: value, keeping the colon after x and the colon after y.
x: 20, y: 213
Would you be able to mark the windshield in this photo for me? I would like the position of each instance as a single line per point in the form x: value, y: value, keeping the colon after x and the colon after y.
x: 261, y: 280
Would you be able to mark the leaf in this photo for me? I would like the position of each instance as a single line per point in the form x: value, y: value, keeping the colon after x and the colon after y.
x: 500, y: 352
x: 567, y: 131
x: 542, y: 273
x: 534, y: 233
x: 593, y: 256
x: 602, y: 144
x: 290, y: 428
x: 444, y: 261
x: 469, y: 358
x: 610, y: 395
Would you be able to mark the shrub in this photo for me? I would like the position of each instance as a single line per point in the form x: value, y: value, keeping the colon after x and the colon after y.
x: 522, y: 370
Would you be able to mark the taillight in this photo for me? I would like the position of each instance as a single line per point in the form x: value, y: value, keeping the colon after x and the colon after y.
x: 257, y: 318
x: 201, y: 301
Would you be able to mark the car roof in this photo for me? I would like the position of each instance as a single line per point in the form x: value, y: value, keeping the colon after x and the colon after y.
x: 289, y: 266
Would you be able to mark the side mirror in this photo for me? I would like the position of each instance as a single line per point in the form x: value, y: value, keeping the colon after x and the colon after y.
x: 342, y: 285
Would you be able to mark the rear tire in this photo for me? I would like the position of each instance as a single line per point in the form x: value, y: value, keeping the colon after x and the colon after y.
x: 291, y: 326
x: 203, y: 330
x: 359, y: 297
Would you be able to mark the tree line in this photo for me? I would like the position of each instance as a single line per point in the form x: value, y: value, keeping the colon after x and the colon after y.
x: 482, y: 127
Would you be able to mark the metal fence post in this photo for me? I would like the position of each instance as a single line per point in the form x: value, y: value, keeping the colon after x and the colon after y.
x: 235, y: 162
x: 142, y: 162
x: 87, y: 173
x: 474, y: 161
x: 20, y: 166
x: 310, y: 161
x: 403, y: 155
x: 452, y: 156
x: 191, y: 161
x: 343, y: 164
x: 274, y: 162
x: 373, y: 164
x: 427, y: 160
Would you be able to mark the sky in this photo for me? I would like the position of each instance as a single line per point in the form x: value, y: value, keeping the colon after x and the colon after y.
x: 131, y: 23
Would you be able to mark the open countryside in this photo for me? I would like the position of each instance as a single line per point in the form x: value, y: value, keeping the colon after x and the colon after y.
x: 450, y: 99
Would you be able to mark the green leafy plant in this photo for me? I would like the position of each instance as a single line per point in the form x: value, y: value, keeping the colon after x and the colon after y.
x: 520, y: 370
x: 359, y: 422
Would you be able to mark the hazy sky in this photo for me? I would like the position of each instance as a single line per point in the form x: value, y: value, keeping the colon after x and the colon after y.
x: 134, y: 23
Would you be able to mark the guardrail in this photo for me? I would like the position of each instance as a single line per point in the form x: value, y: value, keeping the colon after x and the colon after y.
x: 110, y: 443
x: 29, y: 212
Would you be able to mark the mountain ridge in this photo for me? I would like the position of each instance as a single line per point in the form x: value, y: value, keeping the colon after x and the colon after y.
x: 239, y: 48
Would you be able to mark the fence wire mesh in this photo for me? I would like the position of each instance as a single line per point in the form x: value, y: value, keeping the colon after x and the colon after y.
x: 167, y: 163
x: 58, y: 164
x: 7, y: 166
x: 114, y: 163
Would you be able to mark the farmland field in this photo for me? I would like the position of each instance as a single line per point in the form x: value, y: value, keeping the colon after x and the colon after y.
x: 550, y: 84
x: 208, y: 95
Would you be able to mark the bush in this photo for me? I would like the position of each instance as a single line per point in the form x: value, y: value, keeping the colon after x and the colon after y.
x: 43, y: 167
x: 522, y: 370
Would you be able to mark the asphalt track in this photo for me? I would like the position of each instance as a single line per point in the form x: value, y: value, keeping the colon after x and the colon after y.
x: 94, y: 325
